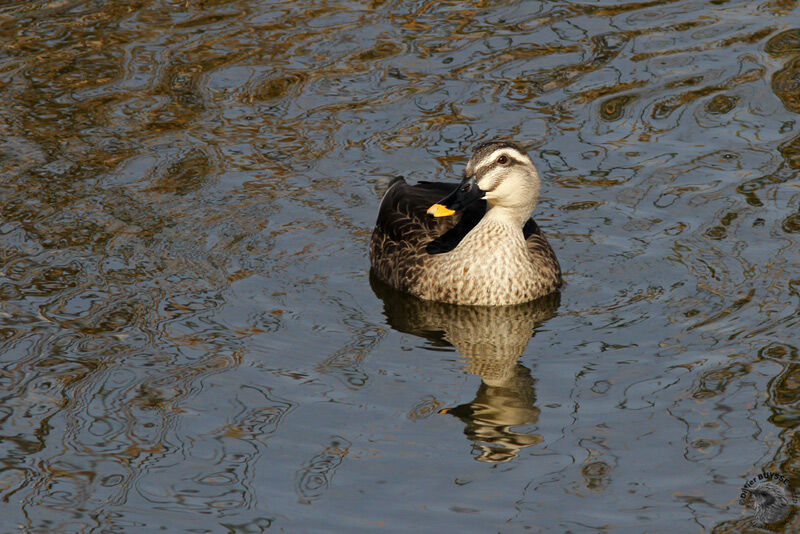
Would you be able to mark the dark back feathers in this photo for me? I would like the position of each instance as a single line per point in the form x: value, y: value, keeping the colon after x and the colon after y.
x: 403, y: 216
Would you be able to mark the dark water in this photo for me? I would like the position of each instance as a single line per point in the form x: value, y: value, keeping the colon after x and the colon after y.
x: 189, y: 339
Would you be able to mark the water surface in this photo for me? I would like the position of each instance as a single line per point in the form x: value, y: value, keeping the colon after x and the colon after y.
x: 189, y: 337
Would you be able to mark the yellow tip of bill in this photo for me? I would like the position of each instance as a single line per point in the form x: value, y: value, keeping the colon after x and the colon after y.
x: 438, y: 210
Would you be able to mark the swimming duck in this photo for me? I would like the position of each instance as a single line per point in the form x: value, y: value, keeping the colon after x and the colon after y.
x: 470, y: 243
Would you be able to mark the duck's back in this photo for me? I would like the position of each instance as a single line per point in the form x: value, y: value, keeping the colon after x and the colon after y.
x: 409, y: 249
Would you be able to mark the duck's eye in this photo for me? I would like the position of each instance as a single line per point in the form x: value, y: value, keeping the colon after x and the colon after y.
x: 502, y: 160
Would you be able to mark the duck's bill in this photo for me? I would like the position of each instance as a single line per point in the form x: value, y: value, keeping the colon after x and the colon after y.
x: 465, y: 194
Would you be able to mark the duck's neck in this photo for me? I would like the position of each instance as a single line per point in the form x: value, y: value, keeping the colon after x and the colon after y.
x: 513, y: 217
x: 499, y: 232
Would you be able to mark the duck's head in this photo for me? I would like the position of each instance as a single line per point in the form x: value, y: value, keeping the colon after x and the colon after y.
x: 500, y: 173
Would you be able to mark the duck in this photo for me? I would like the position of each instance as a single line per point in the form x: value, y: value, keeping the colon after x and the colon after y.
x: 471, y: 243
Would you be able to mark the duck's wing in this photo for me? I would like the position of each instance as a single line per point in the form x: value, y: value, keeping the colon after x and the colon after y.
x: 403, y: 216
x: 540, y: 251
x: 404, y: 234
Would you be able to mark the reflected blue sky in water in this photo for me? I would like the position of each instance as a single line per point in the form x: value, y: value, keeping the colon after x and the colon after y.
x: 188, y: 336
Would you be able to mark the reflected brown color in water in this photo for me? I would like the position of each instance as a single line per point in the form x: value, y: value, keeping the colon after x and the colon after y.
x: 188, y: 338
x: 491, y: 340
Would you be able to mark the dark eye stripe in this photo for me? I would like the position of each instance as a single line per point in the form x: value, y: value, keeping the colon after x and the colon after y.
x: 488, y: 167
x: 495, y: 163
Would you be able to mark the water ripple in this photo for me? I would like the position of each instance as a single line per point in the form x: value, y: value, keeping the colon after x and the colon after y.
x: 187, y: 328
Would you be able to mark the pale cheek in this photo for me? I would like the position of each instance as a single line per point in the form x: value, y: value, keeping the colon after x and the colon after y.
x: 491, y: 195
x: 505, y: 190
x: 491, y: 183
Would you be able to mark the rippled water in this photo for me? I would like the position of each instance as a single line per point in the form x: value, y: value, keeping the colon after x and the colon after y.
x: 189, y: 337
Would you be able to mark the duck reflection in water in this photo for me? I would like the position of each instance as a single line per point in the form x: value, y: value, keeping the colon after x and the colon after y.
x: 491, y: 339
